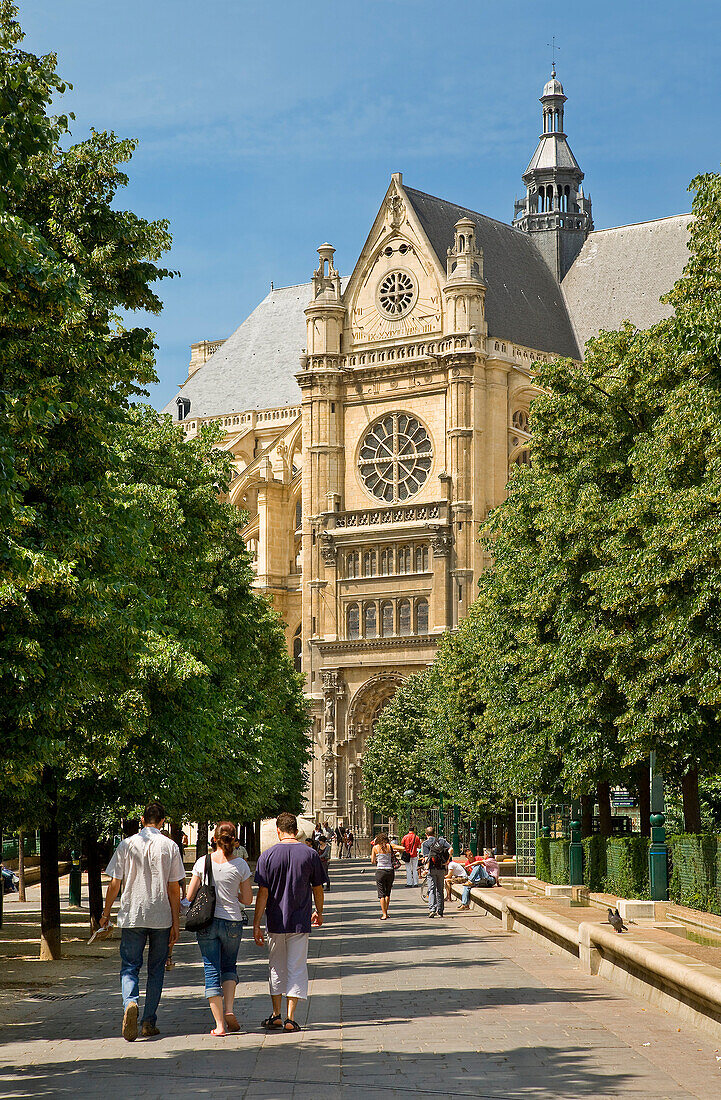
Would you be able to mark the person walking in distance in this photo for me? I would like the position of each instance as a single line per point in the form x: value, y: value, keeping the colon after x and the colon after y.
x: 411, y: 842
x: 149, y: 869
x: 290, y: 879
x: 383, y: 858
x: 349, y: 842
x: 219, y: 943
x: 437, y: 852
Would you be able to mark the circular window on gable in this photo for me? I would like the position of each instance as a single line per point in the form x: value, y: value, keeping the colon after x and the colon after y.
x: 396, y: 293
x: 395, y: 457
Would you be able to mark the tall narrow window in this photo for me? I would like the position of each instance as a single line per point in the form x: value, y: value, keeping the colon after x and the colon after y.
x: 404, y: 617
x: 298, y: 650
x: 370, y: 567
x: 370, y: 628
x: 353, y: 621
x: 400, y: 561
x: 298, y: 514
x: 421, y: 616
x: 351, y: 564
x: 386, y: 619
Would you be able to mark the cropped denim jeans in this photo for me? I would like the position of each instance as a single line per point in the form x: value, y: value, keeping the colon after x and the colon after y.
x: 132, y: 946
x: 219, y: 944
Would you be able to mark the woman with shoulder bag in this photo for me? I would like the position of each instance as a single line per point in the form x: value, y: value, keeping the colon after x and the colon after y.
x: 228, y: 876
x: 383, y: 856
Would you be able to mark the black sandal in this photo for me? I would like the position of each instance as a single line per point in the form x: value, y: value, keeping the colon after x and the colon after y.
x: 272, y: 1022
x: 293, y: 1025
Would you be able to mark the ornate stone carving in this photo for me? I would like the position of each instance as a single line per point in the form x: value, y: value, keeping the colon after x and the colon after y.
x: 327, y: 547
x: 396, y: 211
x: 441, y: 541
x: 329, y: 781
x: 332, y: 687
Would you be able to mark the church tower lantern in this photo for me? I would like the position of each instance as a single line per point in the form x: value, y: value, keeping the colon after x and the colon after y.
x: 555, y: 210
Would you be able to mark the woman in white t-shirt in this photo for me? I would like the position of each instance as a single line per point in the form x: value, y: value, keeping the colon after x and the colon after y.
x: 219, y: 943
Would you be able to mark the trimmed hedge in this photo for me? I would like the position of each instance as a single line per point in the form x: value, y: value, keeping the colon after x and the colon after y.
x: 559, y: 860
x: 696, y: 871
x: 627, y: 866
x: 594, y: 863
x: 543, y: 858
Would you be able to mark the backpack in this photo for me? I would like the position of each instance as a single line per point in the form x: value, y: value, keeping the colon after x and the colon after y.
x: 437, y: 855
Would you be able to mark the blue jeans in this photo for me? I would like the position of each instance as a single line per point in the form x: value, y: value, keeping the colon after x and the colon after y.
x: 132, y: 945
x: 478, y: 877
x: 436, y: 891
x: 219, y: 944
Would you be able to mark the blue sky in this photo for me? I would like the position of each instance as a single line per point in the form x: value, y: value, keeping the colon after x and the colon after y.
x: 266, y: 129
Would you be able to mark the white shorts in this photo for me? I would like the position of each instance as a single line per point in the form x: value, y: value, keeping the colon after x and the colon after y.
x: 288, y: 958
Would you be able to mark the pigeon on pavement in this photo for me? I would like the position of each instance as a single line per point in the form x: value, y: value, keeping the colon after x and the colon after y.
x: 616, y: 922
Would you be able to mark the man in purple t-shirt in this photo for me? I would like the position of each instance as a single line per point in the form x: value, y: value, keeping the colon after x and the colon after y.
x: 289, y: 877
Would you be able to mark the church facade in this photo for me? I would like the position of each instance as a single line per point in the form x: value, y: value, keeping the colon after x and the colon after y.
x: 374, y: 421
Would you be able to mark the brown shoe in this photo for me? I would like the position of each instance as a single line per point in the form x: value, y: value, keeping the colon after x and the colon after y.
x: 147, y: 1029
x: 130, y: 1022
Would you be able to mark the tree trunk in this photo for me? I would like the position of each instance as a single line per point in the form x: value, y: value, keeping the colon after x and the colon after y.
x: 49, y: 881
x: 499, y: 835
x: 603, y: 792
x: 586, y: 815
x: 643, y: 794
x: 21, y: 865
x: 201, y: 844
x: 691, y: 804
x: 95, y: 882
x: 511, y: 832
x: 2, y: 884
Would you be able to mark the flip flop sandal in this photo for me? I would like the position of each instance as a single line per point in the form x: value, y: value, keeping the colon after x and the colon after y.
x: 218, y: 1034
x: 293, y: 1025
x: 272, y: 1022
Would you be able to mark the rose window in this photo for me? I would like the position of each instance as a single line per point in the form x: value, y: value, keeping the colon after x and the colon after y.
x: 396, y: 293
x: 395, y: 457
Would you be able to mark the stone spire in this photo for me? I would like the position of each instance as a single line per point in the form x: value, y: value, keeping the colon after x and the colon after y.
x: 555, y: 210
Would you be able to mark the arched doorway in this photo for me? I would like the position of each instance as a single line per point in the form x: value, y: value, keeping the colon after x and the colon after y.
x: 363, y: 711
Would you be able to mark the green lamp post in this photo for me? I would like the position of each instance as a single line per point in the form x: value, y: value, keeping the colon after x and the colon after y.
x: 456, y: 838
x: 409, y: 795
x: 575, y: 854
x: 657, y: 853
x: 74, y: 880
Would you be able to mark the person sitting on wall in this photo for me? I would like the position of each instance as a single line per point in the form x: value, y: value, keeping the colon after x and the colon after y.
x: 455, y: 872
x: 481, y: 875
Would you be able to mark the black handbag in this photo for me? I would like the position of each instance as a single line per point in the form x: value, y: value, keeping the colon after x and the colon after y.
x: 201, y: 912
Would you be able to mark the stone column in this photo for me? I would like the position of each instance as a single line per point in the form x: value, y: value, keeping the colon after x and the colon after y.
x: 332, y: 688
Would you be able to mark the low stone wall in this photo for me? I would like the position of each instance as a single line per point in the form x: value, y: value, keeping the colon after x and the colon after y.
x: 665, y: 977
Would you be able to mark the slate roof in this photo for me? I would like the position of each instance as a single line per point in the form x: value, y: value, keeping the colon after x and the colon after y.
x: 553, y: 151
x: 620, y: 274
x: 524, y: 304
x: 256, y: 366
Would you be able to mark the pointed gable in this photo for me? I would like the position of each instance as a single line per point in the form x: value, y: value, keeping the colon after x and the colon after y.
x: 524, y: 304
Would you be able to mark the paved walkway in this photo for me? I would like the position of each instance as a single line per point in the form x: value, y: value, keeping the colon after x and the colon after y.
x: 407, y: 1007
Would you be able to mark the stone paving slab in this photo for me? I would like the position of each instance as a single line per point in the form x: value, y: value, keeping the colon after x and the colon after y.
x: 408, y: 1007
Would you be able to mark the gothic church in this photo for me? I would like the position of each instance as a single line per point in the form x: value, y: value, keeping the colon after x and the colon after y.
x: 373, y: 421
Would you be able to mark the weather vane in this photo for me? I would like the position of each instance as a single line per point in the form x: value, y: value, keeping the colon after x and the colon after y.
x: 553, y: 47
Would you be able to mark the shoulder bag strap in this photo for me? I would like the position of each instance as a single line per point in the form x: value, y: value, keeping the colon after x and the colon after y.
x: 209, y: 870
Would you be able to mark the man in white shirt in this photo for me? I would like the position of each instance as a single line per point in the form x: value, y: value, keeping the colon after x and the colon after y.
x: 455, y: 872
x: 149, y: 868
